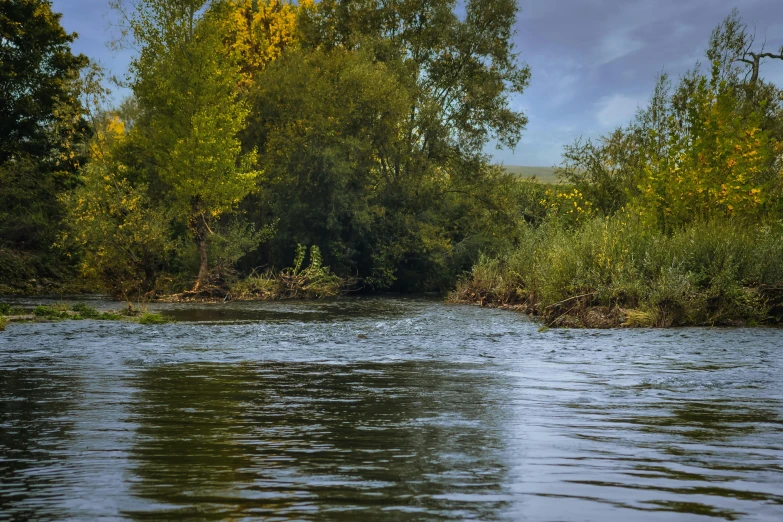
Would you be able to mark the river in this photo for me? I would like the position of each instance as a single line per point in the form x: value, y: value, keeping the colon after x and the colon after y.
x: 376, y: 409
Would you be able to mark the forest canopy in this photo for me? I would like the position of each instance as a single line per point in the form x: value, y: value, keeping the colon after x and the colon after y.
x: 355, y: 129
x: 303, y: 149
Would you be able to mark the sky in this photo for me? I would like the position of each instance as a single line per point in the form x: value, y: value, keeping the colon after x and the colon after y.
x: 593, y: 62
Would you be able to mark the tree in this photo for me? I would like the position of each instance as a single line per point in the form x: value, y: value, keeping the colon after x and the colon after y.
x: 39, y: 106
x: 605, y: 170
x: 706, y: 147
x: 124, y: 234
x: 42, y: 129
x: 731, y: 44
x: 386, y: 153
x: 321, y: 119
x: 260, y: 31
x: 716, y: 160
x: 186, y: 83
x: 465, y: 67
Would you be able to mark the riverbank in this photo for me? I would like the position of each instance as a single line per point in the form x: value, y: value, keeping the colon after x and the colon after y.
x: 576, y: 312
x: 79, y: 311
x: 613, y: 272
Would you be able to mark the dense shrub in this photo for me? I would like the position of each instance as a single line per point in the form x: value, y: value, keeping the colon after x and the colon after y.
x: 709, y: 273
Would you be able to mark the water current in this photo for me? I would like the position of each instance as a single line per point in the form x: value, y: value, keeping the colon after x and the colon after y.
x: 376, y: 409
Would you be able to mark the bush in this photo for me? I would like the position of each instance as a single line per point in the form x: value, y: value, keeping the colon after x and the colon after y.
x: 151, y: 318
x: 51, y: 312
x: 708, y: 273
x: 85, y: 311
x: 314, y: 282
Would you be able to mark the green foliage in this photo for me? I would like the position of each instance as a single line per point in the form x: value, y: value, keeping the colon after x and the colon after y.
x: 705, y: 274
x: 39, y: 109
x: 65, y: 311
x: 84, y: 311
x: 605, y: 171
x: 81, y: 311
x: 464, y: 62
x: 17, y: 270
x: 344, y: 169
x: 672, y: 220
x: 371, y: 118
x: 124, y: 235
x: 185, y: 80
x: 152, y: 318
x: 707, y: 147
x: 716, y: 160
x: 9, y: 309
x: 314, y: 281
x: 50, y: 312
x: 42, y: 128
x: 320, y: 120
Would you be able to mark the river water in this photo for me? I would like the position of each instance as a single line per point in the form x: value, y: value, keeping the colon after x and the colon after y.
x: 386, y: 409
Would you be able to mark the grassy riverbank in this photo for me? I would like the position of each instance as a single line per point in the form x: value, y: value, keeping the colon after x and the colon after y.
x: 80, y: 311
x: 619, y: 272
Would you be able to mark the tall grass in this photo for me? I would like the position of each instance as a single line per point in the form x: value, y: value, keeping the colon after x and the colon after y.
x: 715, y: 273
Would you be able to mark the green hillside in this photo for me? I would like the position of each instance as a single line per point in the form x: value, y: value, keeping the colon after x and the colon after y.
x: 542, y: 174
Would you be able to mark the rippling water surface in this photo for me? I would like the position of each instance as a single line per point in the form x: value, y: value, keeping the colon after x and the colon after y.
x: 387, y: 409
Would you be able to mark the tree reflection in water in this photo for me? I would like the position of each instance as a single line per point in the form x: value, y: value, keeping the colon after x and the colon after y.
x: 35, y: 433
x: 361, y: 441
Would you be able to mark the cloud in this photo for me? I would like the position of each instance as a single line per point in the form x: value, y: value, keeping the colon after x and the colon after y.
x: 563, y: 89
x: 617, y: 109
x: 615, y: 46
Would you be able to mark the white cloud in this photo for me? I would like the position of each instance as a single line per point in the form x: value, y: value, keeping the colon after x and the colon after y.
x: 615, y: 46
x: 617, y: 109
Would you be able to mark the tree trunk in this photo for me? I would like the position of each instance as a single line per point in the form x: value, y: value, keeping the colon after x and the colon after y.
x: 756, y: 66
x: 199, y: 228
x: 203, y: 270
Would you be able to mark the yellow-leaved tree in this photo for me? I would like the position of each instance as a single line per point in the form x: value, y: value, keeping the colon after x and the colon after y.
x: 259, y: 31
x: 124, y: 236
x: 715, y: 161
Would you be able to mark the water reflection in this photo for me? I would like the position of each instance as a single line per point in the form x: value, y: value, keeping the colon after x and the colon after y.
x: 34, y: 433
x: 349, y: 442
x: 395, y: 409
x: 707, y: 420
x: 678, y: 457
x: 337, y: 310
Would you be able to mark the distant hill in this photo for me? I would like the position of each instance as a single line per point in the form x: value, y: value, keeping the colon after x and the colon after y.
x: 542, y: 174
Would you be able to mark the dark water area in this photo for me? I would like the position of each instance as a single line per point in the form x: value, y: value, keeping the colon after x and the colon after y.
x: 386, y: 409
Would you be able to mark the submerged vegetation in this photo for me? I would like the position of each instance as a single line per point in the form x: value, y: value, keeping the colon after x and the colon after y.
x: 274, y: 149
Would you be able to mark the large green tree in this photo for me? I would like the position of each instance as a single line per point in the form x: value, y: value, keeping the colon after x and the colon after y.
x: 373, y: 136
x: 42, y: 128
x: 38, y: 82
x: 185, y: 81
